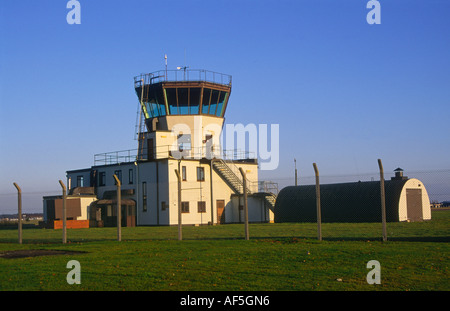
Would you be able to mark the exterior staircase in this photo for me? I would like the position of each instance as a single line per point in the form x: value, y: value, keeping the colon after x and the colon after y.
x: 237, y: 185
x: 270, y: 200
x: 227, y: 174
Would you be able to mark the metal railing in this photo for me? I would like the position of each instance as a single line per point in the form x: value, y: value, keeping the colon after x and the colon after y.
x: 166, y: 151
x: 115, y: 157
x: 268, y: 187
x: 182, y: 75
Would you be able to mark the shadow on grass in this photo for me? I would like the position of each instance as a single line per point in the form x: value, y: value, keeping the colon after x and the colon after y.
x: 15, y: 254
x: 11, y: 237
x: 281, y: 239
x: 299, y: 239
x: 439, y: 239
x: 420, y: 239
x: 14, y: 227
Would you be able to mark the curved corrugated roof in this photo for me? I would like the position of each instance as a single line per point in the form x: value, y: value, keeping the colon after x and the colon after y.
x: 345, y: 202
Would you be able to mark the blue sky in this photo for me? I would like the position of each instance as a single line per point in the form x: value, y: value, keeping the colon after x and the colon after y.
x: 344, y: 92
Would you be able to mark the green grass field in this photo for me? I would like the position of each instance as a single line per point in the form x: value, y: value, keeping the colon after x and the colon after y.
x: 278, y: 257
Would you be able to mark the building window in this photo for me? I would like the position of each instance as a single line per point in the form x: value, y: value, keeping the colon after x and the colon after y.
x: 163, y: 206
x: 184, y: 142
x: 183, y: 173
x: 144, y: 196
x: 101, y: 178
x: 80, y: 181
x: 200, y: 174
x: 201, y: 207
x: 130, y: 176
x: 185, y: 207
x: 119, y: 176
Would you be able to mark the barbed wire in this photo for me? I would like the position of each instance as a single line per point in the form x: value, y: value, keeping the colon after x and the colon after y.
x: 32, y: 192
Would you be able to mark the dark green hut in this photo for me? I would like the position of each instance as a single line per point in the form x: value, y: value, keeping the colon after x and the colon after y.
x: 353, y: 202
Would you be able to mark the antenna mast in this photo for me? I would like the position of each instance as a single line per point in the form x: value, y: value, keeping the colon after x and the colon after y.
x: 141, y: 134
x: 165, y: 58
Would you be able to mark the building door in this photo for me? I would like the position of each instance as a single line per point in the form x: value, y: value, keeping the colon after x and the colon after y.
x: 150, y: 149
x: 414, y: 204
x: 131, y: 216
x: 124, y: 215
x: 220, y: 211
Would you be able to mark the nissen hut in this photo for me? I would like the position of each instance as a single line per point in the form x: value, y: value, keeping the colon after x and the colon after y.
x: 406, y: 200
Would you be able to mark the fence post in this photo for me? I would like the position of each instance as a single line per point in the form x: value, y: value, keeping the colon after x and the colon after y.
x: 244, y: 178
x: 383, y: 200
x: 19, y: 211
x: 180, y: 233
x: 319, y: 216
x: 119, y: 209
x: 64, y: 216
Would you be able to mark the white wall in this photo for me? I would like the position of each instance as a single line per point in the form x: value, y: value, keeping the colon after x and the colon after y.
x: 147, y: 177
x: 85, y: 203
x: 197, y: 126
x: 414, y: 183
x: 194, y: 191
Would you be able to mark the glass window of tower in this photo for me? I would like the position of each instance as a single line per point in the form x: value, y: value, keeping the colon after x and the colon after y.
x: 183, y: 100
x: 206, y: 98
x: 172, y: 100
x: 214, y: 100
x: 194, y: 100
x: 160, y: 102
x: 222, y: 98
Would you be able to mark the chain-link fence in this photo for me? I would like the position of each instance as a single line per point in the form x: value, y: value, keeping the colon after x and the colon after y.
x: 417, y: 208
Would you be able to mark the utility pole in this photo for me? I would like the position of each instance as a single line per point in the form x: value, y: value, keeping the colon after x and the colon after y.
x: 19, y: 212
x: 295, y: 163
x: 136, y: 163
x: 244, y: 178
x: 383, y: 200
x: 319, y: 216
x: 64, y: 216
x: 119, y: 209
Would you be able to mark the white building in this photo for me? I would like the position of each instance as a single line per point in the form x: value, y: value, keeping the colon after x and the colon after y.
x: 183, y: 117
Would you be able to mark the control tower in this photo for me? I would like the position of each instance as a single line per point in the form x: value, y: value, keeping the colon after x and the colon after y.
x: 181, y: 116
x: 183, y: 112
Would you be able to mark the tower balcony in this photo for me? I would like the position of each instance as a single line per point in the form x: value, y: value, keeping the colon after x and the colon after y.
x: 185, y: 75
x: 171, y: 152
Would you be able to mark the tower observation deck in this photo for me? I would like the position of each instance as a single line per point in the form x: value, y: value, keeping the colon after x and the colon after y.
x: 187, y: 92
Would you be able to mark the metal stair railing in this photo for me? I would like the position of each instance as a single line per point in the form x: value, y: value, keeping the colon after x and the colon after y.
x: 223, y: 169
x: 271, y: 199
x: 229, y: 176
